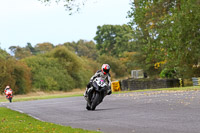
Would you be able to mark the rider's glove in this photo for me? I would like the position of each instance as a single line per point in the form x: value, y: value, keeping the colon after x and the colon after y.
x: 89, y: 84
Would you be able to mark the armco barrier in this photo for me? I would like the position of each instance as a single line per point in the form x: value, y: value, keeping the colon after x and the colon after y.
x: 137, y: 84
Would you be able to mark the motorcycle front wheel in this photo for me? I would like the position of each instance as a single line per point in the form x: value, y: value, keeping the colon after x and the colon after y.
x: 88, y: 106
x: 10, y: 100
x: 95, y: 101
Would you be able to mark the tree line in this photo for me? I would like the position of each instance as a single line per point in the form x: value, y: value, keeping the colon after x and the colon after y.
x: 47, y: 67
x: 162, y: 38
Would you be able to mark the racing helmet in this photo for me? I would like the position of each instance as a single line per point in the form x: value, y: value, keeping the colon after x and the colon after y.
x: 105, y: 69
x: 7, y: 87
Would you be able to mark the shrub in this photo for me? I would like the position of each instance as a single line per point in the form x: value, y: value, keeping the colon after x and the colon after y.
x: 59, y: 69
x: 16, y: 74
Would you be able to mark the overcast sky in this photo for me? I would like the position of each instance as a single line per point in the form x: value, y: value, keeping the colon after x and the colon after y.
x: 23, y: 21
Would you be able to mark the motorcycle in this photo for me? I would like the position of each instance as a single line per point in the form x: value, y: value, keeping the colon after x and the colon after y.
x: 9, y: 95
x: 96, y: 93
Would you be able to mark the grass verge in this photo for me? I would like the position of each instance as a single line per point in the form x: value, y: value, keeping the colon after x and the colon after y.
x: 191, y: 88
x: 15, y: 99
x: 13, y: 121
x: 42, y: 95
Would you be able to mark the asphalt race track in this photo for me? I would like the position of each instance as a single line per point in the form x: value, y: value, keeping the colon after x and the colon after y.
x: 136, y: 112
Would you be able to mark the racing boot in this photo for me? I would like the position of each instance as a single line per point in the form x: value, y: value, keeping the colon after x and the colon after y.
x: 87, y: 91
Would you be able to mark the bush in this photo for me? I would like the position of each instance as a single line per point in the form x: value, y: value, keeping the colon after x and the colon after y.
x: 74, y: 65
x: 167, y: 73
x: 16, y: 74
x: 48, y: 74
x: 59, y: 69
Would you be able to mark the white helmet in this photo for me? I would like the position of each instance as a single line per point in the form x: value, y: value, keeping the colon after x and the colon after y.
x: 105, y: 68
x: 7, y: 87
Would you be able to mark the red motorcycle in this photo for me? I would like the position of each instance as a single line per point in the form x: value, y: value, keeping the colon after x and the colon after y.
x: 9, y: 95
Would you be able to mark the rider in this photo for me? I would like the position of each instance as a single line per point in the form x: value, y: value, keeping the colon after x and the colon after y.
x: 103, y: 73
x: 7, y: 88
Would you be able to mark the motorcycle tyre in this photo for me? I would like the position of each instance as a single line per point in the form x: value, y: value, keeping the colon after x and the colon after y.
x: 95, y: 101
x: 88, y: 106
x: 10, y: 100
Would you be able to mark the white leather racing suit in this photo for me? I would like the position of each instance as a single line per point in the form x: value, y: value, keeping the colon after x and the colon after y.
x: 105, y: 77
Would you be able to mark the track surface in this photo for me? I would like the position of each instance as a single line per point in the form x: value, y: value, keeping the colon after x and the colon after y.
x: 141, y: 112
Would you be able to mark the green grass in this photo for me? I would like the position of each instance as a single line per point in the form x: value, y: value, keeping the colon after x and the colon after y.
x: 18, y: 99
x: 15, y: 122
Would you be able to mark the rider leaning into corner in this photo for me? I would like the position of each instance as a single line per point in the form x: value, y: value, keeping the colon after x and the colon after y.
x: 103, y: 73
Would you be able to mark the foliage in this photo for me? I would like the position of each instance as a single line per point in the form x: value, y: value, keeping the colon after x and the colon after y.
x: 184, y: 34
x: 83, y: 48
x: 22, y: 77
x: 4, y: 54
x: 59, y: 69
x: 167, y: 31
x: 92, y: 65
x: 29, y: 50
x: 117, y: 67
x: 166, y: 73
x: 19, y: 52
x: 114, y: 39
x: 16, y: 74
x: 72, y: 6
x: 128, y: 59
x: 43, y: 47
x: 48, y: 74
x: 74, y: 65
x: 13, y: 121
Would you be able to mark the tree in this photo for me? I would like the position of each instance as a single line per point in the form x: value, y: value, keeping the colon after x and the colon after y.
x: 31, y: 49
x: 128, y: 59
x: 48, y: 74
x: 43, y: 47
x: 4, y: 54
x: 20, y: 52
x: 118, y: 69
x: 167, y: 31
x: 72, y: 6
x: 59, y: 69
x: 74, y: 65
x: 181, y: 40
x: 114, y: 39
x: 83, y: 48
x: 16, y: 74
